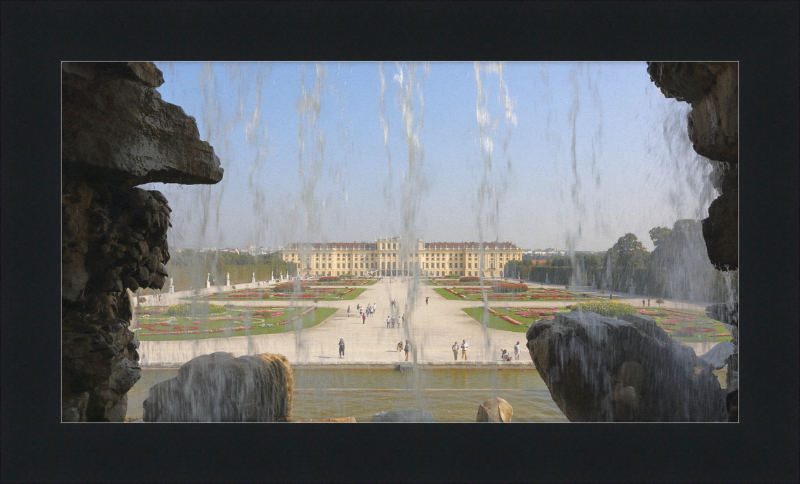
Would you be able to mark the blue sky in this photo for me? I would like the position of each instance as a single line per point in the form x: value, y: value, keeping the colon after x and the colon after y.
x: 632, y: 167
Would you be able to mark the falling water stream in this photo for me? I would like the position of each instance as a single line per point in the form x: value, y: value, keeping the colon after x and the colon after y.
x: 452, y: 395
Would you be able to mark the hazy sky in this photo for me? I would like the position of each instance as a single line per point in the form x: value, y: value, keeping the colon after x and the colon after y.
x: 564, y: 154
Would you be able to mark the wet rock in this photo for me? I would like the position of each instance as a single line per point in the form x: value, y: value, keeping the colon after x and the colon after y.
x: 721, y: 228
x: 712, y: 88
x: 117, y: 133
x: 495, y: 409
x: 117, y: 127
x: 405, y: 415
x: 717, y: 357
x: 601, y: 369
x: 221, y: 388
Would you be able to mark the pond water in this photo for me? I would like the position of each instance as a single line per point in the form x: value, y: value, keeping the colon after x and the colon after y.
x: 451, y: 394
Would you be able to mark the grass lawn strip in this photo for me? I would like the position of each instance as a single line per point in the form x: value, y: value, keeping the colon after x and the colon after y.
x: 234, y: 322
x: 671, y: 320
x: 474, y: 294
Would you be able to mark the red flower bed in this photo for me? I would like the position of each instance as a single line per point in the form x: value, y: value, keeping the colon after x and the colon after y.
x: 510, y: 287
x: 469, y: 279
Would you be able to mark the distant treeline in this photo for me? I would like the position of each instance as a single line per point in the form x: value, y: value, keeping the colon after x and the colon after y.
x: 190, y: 269
x: 678, y: 267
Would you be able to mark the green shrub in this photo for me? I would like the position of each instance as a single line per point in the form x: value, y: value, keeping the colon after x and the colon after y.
x: 216, y: 309
x: 604, y: 307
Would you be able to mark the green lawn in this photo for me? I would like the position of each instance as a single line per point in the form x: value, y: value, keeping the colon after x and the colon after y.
x: 229, y: 325
x: 447, y: 294
x: 495, y: 322
x: 353, y: 295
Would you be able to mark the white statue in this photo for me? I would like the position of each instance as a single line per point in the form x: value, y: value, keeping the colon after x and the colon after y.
x: 254, y: 277
x: 171, y: 287
x: 208, y: 280
x: 228, y: 281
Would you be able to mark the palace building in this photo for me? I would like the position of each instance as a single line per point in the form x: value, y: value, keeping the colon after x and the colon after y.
x: 388, y: 256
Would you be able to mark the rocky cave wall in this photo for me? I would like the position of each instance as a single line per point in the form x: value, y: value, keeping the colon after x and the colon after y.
x: 712, y: 89
x: 116, y: 133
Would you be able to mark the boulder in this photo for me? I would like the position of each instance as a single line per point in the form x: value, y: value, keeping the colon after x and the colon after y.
x: 601, y: 369
x: 717, y: 357
x: 495, y: 409
x: 405, y: 415
x: 221, y: 388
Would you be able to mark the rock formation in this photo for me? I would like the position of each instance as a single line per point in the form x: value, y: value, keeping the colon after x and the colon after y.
x: 728, y: 315
x: 601, y: 369
x: 405, y: 415
x: 116, y: 133
x: 495, y: 409
x: 222, y: 388
x: 712, y: 88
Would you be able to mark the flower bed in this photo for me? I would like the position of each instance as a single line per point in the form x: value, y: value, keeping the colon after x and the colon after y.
x: 510, y: 287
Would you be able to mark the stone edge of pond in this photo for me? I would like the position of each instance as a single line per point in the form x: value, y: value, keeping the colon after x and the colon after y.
x: 388, y: 365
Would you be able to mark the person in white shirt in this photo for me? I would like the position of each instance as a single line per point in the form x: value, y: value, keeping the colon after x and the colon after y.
x: 516, y: 351
x: 455, y: 350
x: 464, y: 347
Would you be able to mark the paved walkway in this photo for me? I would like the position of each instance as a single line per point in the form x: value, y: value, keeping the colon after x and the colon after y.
x: 430, y: 328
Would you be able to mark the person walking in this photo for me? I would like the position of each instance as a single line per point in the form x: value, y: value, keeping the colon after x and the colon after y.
x: 455, y: 350
x: 426, y: 301
x: 387, y: 321
x: 464, y: 347
x: 642, y: 302
x: 648, y: 302
x: 348, y: 311
x: 407, y: 349
x: 393, y: 321
x: 341, y: 347
x: 516, y: 351
x: 363, y: 319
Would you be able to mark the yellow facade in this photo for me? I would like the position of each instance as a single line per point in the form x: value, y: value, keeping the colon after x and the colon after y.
x: 388, y: 256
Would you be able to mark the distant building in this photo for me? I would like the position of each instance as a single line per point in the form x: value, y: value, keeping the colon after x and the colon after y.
x: 387, y: 256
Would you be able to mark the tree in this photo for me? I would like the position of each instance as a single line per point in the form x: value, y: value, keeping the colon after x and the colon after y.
x: 630, y: 252
x: 660, y: 235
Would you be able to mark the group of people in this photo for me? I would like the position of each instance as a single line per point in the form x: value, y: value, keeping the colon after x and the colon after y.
x: 506, y: 356
x: 407, y: 348
x: 464, y: 347
x: 390, y: 320
x: 364, y: 312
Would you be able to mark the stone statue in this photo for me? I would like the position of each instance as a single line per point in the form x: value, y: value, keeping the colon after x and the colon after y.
x: 254, y: 277
x: 228, y: 280
x: 208, y: 280
x: 171, y: 286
